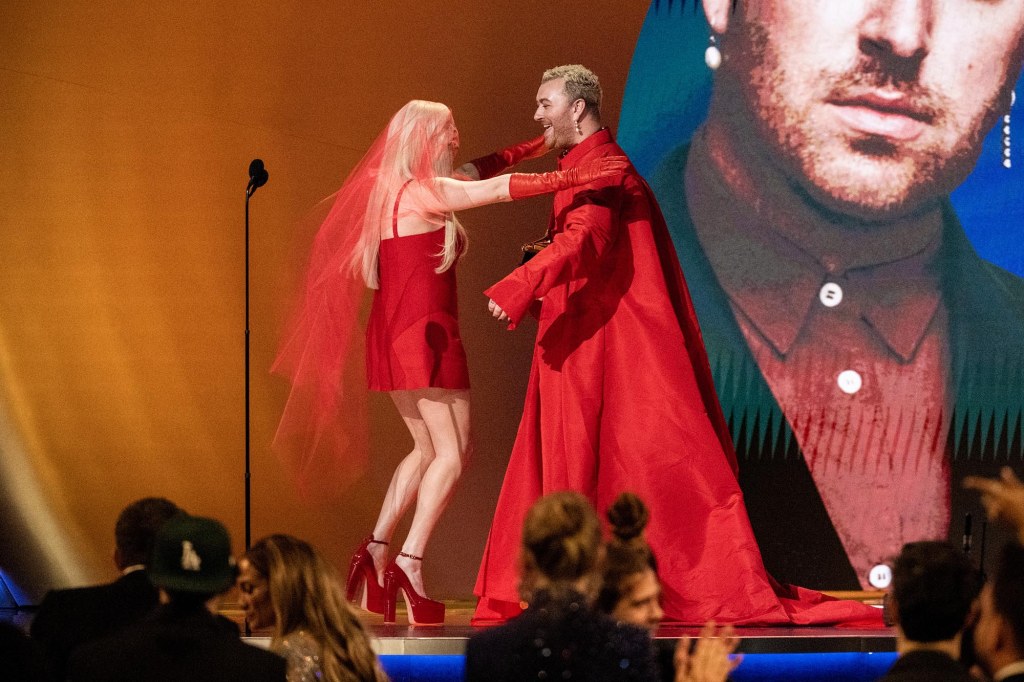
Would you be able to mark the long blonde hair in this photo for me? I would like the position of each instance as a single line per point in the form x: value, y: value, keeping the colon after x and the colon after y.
x: 306, y: 594
x: 415, y: 148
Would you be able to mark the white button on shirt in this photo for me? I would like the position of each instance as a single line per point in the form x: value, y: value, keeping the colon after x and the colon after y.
x: 849, y: 381
x: 830, y: 295
x: 880, y: 576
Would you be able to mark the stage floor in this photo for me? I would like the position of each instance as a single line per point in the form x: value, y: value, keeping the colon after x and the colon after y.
x: 450, y: 639
x: 794, y: 654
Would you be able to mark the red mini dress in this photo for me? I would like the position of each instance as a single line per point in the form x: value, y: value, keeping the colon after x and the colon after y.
x: 412, y: 337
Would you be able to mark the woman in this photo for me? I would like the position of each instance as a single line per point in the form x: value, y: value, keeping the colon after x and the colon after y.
x: 287, y: 585
x: 560, y: 636
x: 392, y: 229
x: 631, y: 593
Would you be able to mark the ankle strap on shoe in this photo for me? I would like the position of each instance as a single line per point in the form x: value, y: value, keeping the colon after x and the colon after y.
x: 410, y: 556
x: 371, y: 541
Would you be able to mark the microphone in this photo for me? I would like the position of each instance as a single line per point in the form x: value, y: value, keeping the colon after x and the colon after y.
x: 258, y: 176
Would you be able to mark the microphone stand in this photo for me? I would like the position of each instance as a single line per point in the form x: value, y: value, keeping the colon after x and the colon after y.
x: 248, y: 494
x: 257, y: 178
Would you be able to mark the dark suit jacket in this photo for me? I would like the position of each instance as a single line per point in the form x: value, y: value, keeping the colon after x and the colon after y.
x: 21, y: 659
x: 559, y: 636
x: 175, y: 644
x: 69, y: 618
x: 986, y: 326
x: 927, y: 666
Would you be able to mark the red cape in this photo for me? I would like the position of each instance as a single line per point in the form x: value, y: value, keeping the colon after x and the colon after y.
x: 620, y: 398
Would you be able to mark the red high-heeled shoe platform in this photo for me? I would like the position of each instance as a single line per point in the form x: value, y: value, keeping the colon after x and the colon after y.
x: 363, y: 573
x: 422, y: 611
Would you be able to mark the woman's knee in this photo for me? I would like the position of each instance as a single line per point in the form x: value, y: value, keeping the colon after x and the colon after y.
x: 427, y: 456
x: 454, y: 456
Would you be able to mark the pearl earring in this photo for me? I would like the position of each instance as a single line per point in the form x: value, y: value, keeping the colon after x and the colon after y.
x: 1006, y: 132
x: 712, y: 55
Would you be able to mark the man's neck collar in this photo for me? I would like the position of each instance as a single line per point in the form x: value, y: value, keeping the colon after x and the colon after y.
x: 950, y: 647
x: 583, y: 138
x: 598, y: 137
x: 133, y: 568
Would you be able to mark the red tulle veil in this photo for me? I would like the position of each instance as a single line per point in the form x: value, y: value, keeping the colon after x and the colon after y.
x: 322, y: 435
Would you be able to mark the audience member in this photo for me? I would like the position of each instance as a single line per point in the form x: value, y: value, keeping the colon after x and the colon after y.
x: 183, y: 639
x: 560, y: 635
x: 933, y: 585
x: 631, y: 593
x: 999, y: 632
x: 287, y: 585
x: 20, y: 657
x: 69, y: 618
x: 998, y: 645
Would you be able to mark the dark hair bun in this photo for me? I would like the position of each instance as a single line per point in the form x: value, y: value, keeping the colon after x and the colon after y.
x: 628, y: 516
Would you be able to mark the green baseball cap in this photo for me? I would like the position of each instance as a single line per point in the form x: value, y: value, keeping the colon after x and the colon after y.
x: 192, y: 554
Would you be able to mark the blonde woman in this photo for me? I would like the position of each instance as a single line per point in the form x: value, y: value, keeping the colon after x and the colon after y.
x: 392, y: 228
x: 287, y: 585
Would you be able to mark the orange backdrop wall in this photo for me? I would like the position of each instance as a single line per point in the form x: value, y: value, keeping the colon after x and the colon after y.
x: 126, y: 129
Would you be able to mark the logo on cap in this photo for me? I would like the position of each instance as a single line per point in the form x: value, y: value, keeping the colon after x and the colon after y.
x: 190, y: 560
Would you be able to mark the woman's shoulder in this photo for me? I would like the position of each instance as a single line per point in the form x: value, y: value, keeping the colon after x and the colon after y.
x: 302, y: 653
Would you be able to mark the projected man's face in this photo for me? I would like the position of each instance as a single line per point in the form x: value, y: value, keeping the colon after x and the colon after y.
x: 873, y: 107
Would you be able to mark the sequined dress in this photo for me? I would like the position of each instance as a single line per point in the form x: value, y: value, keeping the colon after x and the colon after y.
x: 302, y: 654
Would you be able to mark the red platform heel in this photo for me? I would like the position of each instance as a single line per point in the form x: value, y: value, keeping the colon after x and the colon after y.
x: 422, y: 611
x: 363, y: 571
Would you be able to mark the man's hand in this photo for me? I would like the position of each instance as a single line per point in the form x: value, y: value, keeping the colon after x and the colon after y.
x: 496, y: 310
x: 709, y: 661
x: 1003, y: 498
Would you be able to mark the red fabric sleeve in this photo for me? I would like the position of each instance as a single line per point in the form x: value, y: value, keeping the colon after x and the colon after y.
x: 591, y: 224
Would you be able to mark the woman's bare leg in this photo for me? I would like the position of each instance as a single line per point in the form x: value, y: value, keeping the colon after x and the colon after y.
x: 445, y: 414
x: 405, y: 482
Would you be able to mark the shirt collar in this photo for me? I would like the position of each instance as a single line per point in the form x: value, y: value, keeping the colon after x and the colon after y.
x: 133, y: 568
x: 575, y: 154
x: 772, y: 266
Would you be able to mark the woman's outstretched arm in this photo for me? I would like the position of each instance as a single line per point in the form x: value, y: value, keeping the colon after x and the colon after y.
x: 450, y: 194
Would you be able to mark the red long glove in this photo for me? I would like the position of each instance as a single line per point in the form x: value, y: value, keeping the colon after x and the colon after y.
x: 522, y: 185
x: 492, y: 164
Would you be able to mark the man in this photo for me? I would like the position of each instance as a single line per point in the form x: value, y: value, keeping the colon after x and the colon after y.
x: 932, y: 590
x: 69, y: 618
x: 860, y: 346
x: 610, y: 405
x: 999, y: 632
x: 182, y: 640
